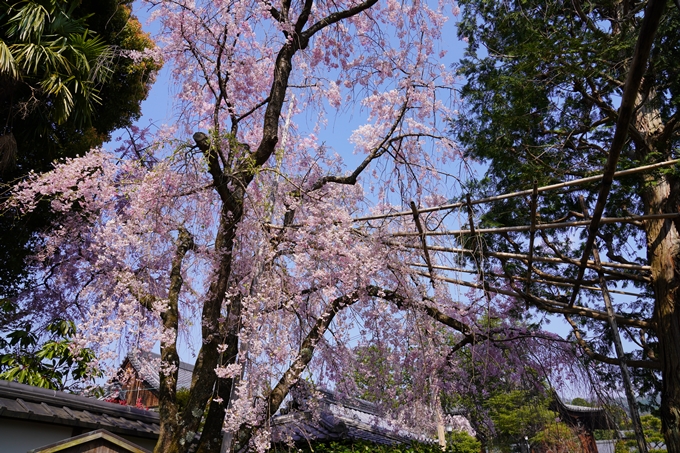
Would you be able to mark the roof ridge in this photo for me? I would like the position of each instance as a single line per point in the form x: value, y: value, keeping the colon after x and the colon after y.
x: 136, y: 353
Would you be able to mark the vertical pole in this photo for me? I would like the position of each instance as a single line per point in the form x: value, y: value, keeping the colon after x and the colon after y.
x: 423, y: 241
x: 532, y: 236
x: 611, y: 315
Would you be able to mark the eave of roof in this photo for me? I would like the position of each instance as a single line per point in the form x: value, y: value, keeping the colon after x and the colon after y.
x: 592, y: 417
x: 19, y: 401
x: 348, y: 418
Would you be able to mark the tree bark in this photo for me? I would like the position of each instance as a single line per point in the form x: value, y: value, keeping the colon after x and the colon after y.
x: 663, y: 244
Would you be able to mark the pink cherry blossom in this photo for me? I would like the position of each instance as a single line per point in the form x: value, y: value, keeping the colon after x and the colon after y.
x: 243, y: 241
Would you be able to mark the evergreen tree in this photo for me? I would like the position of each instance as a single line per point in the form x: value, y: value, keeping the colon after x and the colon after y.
x: 543, y: 85
x: 67, y: 80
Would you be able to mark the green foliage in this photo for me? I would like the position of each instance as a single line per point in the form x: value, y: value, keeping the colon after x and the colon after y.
x: 581, y: 402
x: 44, y: 359
x: 65, y: 85
x: 462, y: 442
x: 516, y: 415
x: 456, y: 443
x: 556, y: 437
x: 651, y: 427
x: 621, y: 447
x: 50, y: 49
x: 182, y: 398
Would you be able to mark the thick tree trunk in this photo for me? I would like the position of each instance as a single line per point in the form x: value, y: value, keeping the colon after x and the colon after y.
x: 178, y: 434
x: 661, y: 194
x: 663, y: 244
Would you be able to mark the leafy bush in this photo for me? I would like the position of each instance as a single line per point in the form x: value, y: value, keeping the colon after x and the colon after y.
x: 557, y: 437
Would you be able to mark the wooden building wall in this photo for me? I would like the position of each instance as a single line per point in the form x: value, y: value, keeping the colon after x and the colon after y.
x: 135, y: 388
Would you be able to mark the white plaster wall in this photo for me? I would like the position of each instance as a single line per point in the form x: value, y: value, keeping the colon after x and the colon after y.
x: 20, y: 436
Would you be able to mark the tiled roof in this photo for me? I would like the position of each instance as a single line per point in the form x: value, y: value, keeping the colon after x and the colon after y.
x: 19, y: 401
x: 147, y: 365
x: 584, y: 409
x: 347, y: 419
x: 590, y: 417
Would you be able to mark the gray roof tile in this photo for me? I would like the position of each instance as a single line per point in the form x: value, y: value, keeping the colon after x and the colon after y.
x: 19, y: 401
x: 350, y: 419
x: 147, y: 365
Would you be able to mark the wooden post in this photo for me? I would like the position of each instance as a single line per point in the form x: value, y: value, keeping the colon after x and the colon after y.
x: 423, y: 240
x: 632, y: 404
x: 532, y: 235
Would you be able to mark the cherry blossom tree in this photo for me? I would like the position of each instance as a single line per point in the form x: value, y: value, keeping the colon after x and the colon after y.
x: 238, y: 221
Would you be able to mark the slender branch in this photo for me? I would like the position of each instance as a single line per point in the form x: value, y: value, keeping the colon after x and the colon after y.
x: 374, y: 154
x: 423, y: 239
x: 585, y: 347
x: 337, y: 17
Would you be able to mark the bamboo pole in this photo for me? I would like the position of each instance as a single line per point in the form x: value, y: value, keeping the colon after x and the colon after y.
x: 543, y: 259
x: 544, y: 226
x: 552, y: 306
x: 534, y: 280
x: 532, y: 234
x: 611, y: 315
x: 561, y: 185
x: 638, y: 65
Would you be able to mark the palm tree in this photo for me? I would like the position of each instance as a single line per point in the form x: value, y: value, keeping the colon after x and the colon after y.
x: 63, y: 63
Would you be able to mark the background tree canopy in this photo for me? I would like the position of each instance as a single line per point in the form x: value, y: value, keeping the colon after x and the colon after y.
x: 71, y: 72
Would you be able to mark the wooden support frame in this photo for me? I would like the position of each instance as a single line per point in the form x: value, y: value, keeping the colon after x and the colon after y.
x: 618, y: 346
x: 532, y: 235
x: 423, y: 239
x: 552, y: 306
x: 545, y: 226
x: 543, y: 259
x: 576, y: 182
x: 524, y: 279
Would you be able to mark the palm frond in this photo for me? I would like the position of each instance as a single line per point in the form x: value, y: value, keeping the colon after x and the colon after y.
x: 29, y: 21
x: 36, y: 59
x: 8, y: 64
x: 58, y: 88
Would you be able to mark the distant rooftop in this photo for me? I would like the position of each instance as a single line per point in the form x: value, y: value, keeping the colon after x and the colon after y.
x: 340, y: 419
x: 147, y: 365
x: 591, y: 418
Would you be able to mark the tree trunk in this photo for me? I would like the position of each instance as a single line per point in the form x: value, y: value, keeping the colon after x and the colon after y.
x: 661, y: 194
x: 587, y: 440
x: 663, y: 243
